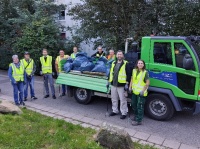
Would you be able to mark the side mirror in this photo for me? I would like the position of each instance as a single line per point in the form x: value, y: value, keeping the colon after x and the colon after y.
x: 188, y: 63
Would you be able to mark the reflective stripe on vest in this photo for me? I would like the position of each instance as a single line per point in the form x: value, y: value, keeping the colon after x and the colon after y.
x: 29, y: 69
x: 121, y: 75
x: 138, y: 82
x: 46, y: 66
x: 58, y: 59
x: 18, y: 73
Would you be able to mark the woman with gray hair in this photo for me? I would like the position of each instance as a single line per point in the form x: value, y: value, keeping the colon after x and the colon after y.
x: 17, y: 76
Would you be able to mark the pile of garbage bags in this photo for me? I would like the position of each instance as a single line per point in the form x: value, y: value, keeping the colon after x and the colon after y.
x: 84, y: 63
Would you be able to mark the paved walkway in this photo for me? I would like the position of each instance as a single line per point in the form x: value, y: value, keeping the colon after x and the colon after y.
x: 84, y: 121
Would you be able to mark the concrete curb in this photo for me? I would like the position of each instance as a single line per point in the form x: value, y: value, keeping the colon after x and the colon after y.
x: 137, y: 136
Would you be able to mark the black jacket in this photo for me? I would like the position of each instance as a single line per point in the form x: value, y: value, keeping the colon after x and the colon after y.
x: 128, y: 74
x: 100, y: 54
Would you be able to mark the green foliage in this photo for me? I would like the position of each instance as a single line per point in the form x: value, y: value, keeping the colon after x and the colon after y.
x: 110, y: 22
x: 29, y: 25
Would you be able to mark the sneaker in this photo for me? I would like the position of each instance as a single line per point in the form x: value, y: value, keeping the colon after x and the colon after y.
x: 25, y: 99
x: 63, y: 94
x: 112, y: 114
x: 46, y: 96
x: 122, y: 117
x: 134, y: 123
x: 33, y: 98
x: 54, y: 97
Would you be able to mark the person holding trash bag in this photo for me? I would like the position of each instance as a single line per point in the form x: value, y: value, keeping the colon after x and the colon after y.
x: 119, y: 78
x: 30, y: 68
x: 138, y: 86
x: 46, y: 63
x: 99, y: 53
x: 75, y: 51
x: 16, y: 73
x: 58, y: 67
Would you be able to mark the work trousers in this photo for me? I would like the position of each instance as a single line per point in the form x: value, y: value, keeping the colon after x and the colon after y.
x: 138, y: 107
x: 49, y: 78
x: 63, y: 89
x: 117, y: 93
x: 18, y: 92
x: 29, y: 82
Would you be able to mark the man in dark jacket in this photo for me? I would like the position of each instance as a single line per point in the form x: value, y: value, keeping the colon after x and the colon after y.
x: 119, y: 78
x: 99, y: 53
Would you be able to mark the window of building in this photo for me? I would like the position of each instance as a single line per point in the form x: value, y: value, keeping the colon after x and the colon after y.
x: 63, y: 35
x: 62, y: 15
x: 163, y: 53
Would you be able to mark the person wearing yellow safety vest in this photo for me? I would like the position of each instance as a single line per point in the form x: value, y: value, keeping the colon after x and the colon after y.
x: 138, y: 86
x: 99, y: 53
x: 16, y: 73
x: 75, y: 51
x: 119, y: 78
x: 111, y: 55
x: 58, y: 66
x: 30, y: 68
x: 46, y: 64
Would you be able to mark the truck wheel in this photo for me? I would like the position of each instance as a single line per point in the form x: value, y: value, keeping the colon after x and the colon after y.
x: 82, y: 95
x: 159, y: 107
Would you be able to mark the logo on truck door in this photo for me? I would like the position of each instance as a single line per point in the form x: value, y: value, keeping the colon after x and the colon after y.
x: 169, y: 77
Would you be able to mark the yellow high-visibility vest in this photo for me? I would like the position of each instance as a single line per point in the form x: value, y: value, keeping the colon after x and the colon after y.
x: 46, y: 66
x: 18, y: 73
x: 58, y: 59
x: 73, y: 55
x: 28, y: 69
x: 138, y: 82
x: 122, y: 73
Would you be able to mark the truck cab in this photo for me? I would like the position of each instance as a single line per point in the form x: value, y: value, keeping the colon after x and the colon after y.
x: 174, y: 69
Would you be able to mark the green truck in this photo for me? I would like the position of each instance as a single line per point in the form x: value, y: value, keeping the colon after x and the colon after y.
x: 174, y: 68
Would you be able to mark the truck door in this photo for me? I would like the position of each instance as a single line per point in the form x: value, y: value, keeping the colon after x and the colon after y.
x: 166, y: 68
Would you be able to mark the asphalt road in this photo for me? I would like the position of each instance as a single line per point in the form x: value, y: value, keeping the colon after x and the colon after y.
x: 183, y: 127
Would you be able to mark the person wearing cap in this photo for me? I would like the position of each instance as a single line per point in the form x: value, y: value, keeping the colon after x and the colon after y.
x: 17, y: 76
x: 75, y: 51
x: 30, y: 68
x: 99, y: 53
x: 58, y: 66
x: 47, y: 72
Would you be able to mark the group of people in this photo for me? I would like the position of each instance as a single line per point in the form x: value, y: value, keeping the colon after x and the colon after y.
x: 21, y: 74
x: 122, y: 78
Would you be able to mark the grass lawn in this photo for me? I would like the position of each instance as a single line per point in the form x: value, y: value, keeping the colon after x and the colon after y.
x: 32, y: 130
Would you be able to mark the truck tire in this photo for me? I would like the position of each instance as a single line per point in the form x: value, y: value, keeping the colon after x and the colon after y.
x: 82, y: 96
x: 159, y: 107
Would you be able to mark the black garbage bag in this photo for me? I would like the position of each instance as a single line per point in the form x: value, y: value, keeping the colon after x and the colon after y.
x: 100, y: 67
x: 80, y: 58
x: 87, y: 66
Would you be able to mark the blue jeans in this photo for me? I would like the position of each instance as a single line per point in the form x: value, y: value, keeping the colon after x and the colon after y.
x: 18, y: 89
x: 29, y: 82
x: 63, y: 88
x: 48, y: 77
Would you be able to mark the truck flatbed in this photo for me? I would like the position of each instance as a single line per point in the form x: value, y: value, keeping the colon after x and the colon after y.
x: 80, y: 80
